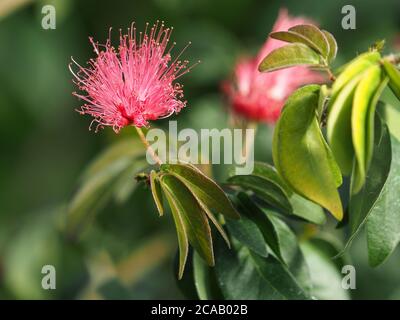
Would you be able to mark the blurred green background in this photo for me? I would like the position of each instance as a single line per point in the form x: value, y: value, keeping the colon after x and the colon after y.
x: 45, y: 145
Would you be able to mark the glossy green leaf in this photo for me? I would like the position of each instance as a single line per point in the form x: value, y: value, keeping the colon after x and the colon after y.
x: 363, y: 203
x: 203, y: 188
x: 332, y: 45
x: 156, y: 191
x: 370, y: 135
x: 339, y: 130
x: 315, y: 36
x: 383, y: 223
x: 300, y: 153
x: 242, y: 275
x: 353, y: 69
x: 394, y: 75
x: 288, y: 56
x: 362, y: 105
x: 190, y: 220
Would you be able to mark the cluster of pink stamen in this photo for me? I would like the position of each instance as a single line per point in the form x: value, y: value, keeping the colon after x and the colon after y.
x: 133, y: 84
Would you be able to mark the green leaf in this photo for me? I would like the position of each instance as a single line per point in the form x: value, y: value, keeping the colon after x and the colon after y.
x: 208, y: 194
x: 383, y: 223
x: 353, y: 69
x: 294, y: 37
x: 332, y: 45
x: 204, y: 280
x: 298, y: 205
x: 314, y: 36
x: 183, y: 241
x: 362, y: 203
x: 265, y: 190
x: 291, y: 253
x: 190, y: 216
x: 185, y: 283
x: 269, y: 173
x: 278, y: 236
x: 339, y: 130
x: 156, y: 191
x: 394, y: 76
x: 248, y: 233
x: 203, y: 188
x: 244, y: 275
x: 301, y: 207
x: 370, y: 120
x: 301, y: 155
x: 307, y: 209
x: 262, y: 222
x: 391, y: 116
x: 364, y: 102
x: 323, y: 98
x: 325, y: 275
x: 288, y: 56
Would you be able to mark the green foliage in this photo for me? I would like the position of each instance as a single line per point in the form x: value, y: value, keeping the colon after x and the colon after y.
x: 360, y: 144
x: 45, y: 145
x: 190, y: 221
x: 362, y: 203
x: 308, y: 46
x: 282, y: 274
x: 193, y: 199
x: 363, y: 96
x: 301, y: 154
x: 383, y: 224
x: 270, y: 188
x: 394, y: 76
x: 289, y: 56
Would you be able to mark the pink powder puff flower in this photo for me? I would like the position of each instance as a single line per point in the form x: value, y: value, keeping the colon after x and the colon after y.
x: 261, y: 96
x: 134, y: 83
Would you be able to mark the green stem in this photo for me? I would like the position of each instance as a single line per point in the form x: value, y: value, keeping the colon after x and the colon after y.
x: 149, y: 149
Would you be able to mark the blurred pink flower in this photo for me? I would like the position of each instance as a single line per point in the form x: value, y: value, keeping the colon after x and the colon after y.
x: 261, y: 96
x: 134, y: 83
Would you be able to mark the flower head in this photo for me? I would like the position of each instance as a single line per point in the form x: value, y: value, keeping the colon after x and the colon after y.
x: 260, y: 96
x: 134, y: 83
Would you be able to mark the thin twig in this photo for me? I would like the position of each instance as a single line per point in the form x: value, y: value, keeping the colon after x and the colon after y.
x: 148, y: 147
x: 330, y: 74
